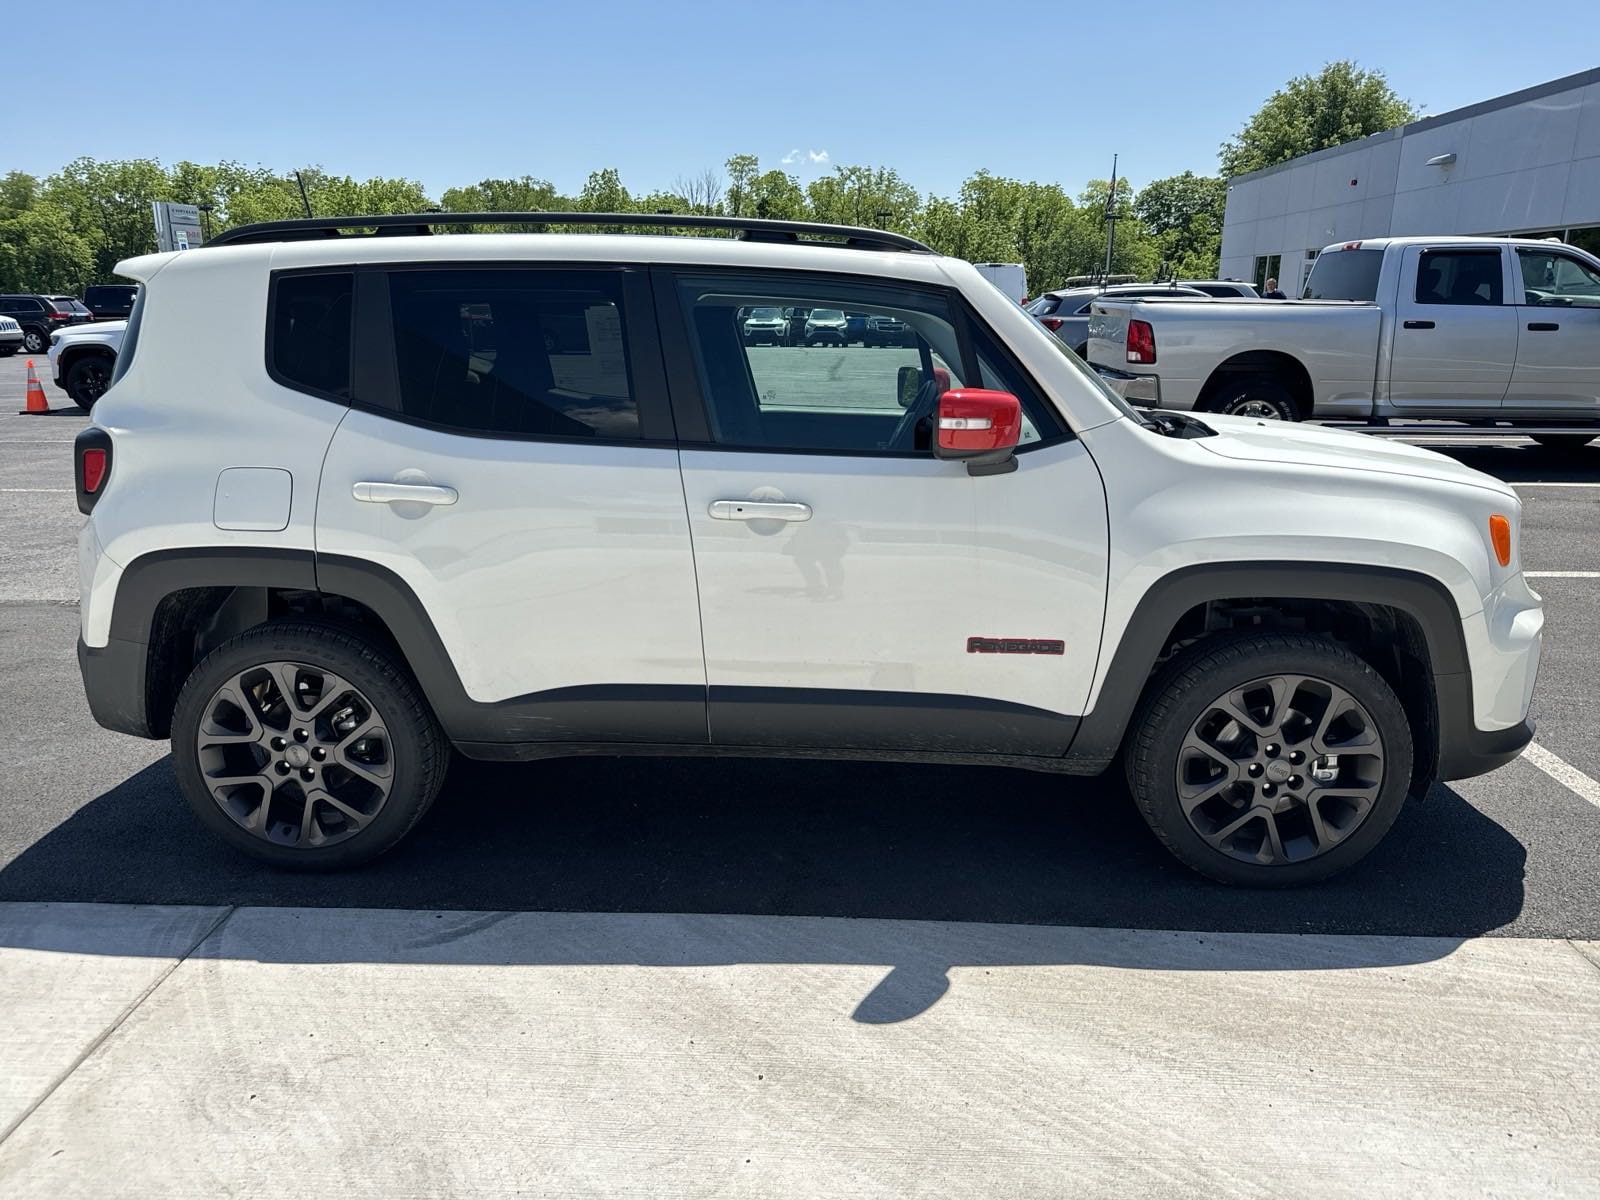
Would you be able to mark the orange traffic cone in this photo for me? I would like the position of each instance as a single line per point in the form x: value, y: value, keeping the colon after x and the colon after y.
x: 36, y: 402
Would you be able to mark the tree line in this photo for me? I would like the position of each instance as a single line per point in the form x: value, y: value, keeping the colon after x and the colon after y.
x: 71, y: 228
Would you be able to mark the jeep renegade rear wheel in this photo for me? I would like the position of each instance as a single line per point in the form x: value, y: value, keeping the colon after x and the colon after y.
x: 1270, y: 759
x: 306, y: 746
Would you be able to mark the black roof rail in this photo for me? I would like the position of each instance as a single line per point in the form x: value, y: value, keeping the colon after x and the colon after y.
x: 751, y: 229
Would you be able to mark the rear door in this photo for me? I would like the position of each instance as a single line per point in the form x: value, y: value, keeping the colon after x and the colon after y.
x: 857, y: 592
x: 1454, y: 336
x: 508, y: 458
x: 1557, y: 373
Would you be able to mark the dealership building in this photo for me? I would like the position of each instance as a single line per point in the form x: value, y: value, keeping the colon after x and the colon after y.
x: 1526, y: 164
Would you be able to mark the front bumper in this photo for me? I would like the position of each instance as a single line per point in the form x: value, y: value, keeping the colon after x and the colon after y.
x: 1143, y: 390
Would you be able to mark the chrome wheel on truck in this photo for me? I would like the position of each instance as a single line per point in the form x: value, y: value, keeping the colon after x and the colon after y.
x: 1270, y: 758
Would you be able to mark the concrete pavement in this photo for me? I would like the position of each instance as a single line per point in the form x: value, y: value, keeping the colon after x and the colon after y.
x: 324, y: 1052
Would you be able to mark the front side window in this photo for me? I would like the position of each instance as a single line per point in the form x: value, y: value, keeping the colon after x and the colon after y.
x: 533, y: 353
x: 1552, y: 280
x: 310, y: 342
x: 863, y: 390
x: 1459, y: 277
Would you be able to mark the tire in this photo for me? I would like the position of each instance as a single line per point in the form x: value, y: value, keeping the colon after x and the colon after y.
x: 35, y: 342
x: 1566, y: 443
x: 1183, y: 704
x: 213, y: 737
x: 1265, y: 399
x: 87, y: 379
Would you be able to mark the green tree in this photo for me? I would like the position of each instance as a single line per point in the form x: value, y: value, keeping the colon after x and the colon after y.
x: 1339, y: 104
x: 42, y: 251
x: 874, y: 196
x: 1183, y: 214
x: 776, y: 195
x: 743, y: 170
x: 17, y: 193
x: 526, y: 194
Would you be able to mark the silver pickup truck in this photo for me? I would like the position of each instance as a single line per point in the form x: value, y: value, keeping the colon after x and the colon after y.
x: 1503, y: 330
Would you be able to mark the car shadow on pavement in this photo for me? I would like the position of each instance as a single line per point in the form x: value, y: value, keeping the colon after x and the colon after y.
x: 790, y: 838
x: 627, y: 860
x: 1526, y: 463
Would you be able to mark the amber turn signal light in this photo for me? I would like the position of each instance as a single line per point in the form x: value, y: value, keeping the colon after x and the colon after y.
x: 1500, y: 536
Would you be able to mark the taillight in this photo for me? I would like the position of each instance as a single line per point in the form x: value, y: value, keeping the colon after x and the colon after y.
x: 92, y: 462
x: 1141, y: 342
x: 1052, y: 323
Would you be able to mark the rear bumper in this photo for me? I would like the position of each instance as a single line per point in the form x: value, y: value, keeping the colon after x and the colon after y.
x: 1144, y: 390
x: 113, y: 683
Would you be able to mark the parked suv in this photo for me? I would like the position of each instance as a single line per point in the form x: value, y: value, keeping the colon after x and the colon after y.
x: 382, y: 515
x: 40, y: 316
x: 110, y: 301
x: 1065, y: 313
x: 83, y: 357
x: 766, y: 325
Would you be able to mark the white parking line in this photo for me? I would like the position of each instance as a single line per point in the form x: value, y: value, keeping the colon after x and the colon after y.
x: 1562, y: 574
x: 35, y: 489
x: 1540, y: 483
x: 1564, y: 773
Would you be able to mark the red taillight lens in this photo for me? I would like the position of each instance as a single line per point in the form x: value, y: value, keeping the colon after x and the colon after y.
x: 1051, y: 323
x: 91, y: 465
x: 1141, y: 342
x: 94, y: 470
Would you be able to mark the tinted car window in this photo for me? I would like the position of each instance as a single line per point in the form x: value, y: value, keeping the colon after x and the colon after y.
x: 1345, y: 275
x: 310, y: 343
x: 522, y: 352
x: 1460, y: 277
x: 1045, y: 306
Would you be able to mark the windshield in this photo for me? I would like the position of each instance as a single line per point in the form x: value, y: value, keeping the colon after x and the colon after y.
x: 1093, y: 376
x: 1345, y: 275
x: 765, y: 314
x: 826, y: 314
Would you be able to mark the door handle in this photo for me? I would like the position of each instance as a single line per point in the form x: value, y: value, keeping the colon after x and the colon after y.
x: 410, y: 493
x: 1543, y: 326
x: 760, y: 510
x: 1417, y: 324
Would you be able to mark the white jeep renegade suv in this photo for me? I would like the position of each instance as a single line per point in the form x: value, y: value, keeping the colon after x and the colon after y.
x: 356, y: 498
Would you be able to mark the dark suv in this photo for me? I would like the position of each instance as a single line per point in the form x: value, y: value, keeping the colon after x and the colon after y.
x: 110, y: 301
x: 40, y: 316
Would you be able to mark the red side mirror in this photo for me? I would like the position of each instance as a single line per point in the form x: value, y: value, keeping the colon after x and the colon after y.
x: 979, y: 426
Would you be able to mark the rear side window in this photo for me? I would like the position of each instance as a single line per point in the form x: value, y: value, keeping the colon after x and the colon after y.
x: 534, y: 353
x: 310, y: 344
x: 1345, y: 275
x: 130, y: 338
x: 1460, y: 277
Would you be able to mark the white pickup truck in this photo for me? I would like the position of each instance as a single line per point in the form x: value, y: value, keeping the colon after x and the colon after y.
x: 1481, y: 330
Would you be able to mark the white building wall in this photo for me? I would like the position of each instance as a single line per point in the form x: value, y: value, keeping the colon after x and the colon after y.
x: 1525, y: 163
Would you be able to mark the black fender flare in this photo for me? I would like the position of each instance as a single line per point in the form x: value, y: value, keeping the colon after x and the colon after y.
x: 1463, y: 750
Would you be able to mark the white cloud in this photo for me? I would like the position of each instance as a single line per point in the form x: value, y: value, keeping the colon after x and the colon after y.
x: 815, y: 157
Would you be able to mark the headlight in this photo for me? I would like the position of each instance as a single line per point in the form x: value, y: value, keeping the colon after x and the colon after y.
x: 54, y: 338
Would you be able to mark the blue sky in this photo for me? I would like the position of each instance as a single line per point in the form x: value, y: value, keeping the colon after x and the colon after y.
x: 452, y: 93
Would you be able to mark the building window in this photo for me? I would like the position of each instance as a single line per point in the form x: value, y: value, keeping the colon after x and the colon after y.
x: 1267, y: 267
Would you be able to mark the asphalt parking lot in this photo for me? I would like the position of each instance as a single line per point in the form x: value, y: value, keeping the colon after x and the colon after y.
x: 88, y: 815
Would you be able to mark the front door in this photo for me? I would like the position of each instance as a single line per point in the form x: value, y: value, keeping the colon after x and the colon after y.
x: 855, y: 591
x: 1454, y: 337
x: 1557, y: 375
x: 509, y: 459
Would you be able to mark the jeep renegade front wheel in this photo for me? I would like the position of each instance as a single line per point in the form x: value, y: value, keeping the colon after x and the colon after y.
x: 1270, y: 759
x: 306, y: 746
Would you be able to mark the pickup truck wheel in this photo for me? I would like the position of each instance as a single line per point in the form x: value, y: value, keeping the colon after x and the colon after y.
x: 306, y: 746
x: 1270, y: 759
x: 1264, y: 399
x: 1563, y: 441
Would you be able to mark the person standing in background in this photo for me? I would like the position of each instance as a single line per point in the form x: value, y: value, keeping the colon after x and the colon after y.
x: 1272, y: 292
